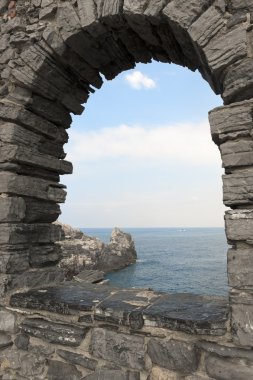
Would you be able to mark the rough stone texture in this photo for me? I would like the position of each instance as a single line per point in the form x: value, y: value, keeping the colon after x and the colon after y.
x: 228, y: 369
x: 54, y: 332
x: 174, y: 354
x: 62, y: 371
x: 104, y: 374
x: 52, y: 55
x: 81, y: 251
x: 188, y: 313
x: 127, y: 350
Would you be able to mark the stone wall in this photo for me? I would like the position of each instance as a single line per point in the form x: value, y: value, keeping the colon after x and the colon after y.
x: 53, y: 53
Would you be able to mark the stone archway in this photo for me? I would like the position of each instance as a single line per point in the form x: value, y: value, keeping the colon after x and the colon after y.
x: 52, y: 54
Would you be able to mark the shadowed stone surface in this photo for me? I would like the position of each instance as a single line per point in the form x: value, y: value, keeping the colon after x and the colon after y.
x: 174, y: 354
x: 69, y: 335
x: 185, y: 312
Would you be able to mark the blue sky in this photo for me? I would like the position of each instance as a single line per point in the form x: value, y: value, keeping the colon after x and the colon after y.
x: 143, y: 155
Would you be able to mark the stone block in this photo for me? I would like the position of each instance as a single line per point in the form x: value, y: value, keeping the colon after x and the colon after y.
x: 22, y: 342
x: 189, y: 313
x: 43, y: 255
x: 13, y: 261
x: 207, y: 26
x: 78, y: 359
x: 238, y: 188
x: 12, y: 209
x: 163, y: 374
x: 226, y: 351
x: 242, y: 317
x: 62, y: 371
x: 231, y: 119
x: 35, y: 123
x: 11, y: 183
x: 28, y: 233
x: 124, y: 349
x: 7, y: 321
x: 5, y: 341
x: 237, y: 153
x: 185, y: 13
x: 239, y: 225
x: 238, y: 81
x: 31, y: 279
x: 224, y: 50
x: 30, y: 156
x: 227, y: 369
x: 174, y: 355
x: 58, y: 333
x: 242, y: 4
x: 240, y: 268
x: 110, y: 374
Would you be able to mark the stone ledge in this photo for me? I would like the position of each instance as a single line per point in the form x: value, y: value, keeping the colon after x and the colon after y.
x: 136, y: 308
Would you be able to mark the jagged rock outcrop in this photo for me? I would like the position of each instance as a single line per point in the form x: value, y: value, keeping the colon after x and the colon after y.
x: 81, y: 251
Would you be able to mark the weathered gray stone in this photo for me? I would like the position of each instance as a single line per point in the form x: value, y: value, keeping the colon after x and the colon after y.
x: 31, y: 187
x: 225, y: 50
x: 238, y: 82
x: 207, y: 26
x: 107, y: 374
x: 163, y: 374
x: 226, y: 351
x: 238, y: 188
x: 240, y: 268
x: 78, y: 359
x: 22, y: 342
x: 242, y: 4
x: 7, y: 321
x: 5, y: 341
x: 62, y: 371
x: 232, y: 118
x: 174, y: 355
x: 227, y: 369
x: 12, y: 209
x: 237, y: 153
x: 184, y: 13
x: 242, y: 324
x: 64, y: 334
x: 239, y: 224
x: 124, y: 349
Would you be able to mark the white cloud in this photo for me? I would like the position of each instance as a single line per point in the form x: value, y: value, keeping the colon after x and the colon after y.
x: 138, y: 80
x: 187, y: 143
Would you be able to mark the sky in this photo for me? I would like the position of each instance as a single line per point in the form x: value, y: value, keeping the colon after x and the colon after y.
x: 143, y: 155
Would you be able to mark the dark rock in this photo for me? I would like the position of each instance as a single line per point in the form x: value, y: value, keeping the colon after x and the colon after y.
x: 103, y: 374
x: 124, y: 349
x: 59, y: 333
x: 5, y: 340
x: 22, y: 342
x: 62, y: 371
x: 226, y: 351
x: 189, y: 313
x: 78, y: 359
x: 63, y: 299
x: 136, y: 320
x: 174, y: 355
x: 227, y: 369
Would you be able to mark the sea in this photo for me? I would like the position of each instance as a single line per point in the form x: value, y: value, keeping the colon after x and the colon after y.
x: 175, y: 260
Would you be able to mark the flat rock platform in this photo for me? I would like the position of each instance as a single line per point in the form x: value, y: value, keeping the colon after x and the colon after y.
x: 136, y: 308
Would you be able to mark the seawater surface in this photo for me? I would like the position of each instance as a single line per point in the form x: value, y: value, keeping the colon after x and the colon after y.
x: 191, y: 260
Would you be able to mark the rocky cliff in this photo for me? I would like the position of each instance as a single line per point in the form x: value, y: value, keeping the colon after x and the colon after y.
x: 80, y: 251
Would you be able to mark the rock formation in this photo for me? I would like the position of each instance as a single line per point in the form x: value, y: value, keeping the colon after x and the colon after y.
x: 80, y: 251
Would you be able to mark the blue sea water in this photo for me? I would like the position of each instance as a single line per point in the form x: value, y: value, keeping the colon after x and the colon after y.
x: 191, y: 260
